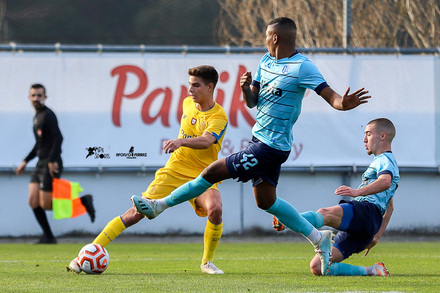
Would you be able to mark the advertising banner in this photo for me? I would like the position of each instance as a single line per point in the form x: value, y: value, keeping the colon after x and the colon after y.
x: 117, y: 109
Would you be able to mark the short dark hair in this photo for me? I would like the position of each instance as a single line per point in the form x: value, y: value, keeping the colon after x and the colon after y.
x: 38, y: 86
x: 384, y: 124
x: 206, y: 72
x: 284, y: 22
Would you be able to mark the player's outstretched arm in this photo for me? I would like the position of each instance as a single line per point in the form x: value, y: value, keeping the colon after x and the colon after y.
x: 383, y: 182
x: 346, y: 102
x: 200, y: 142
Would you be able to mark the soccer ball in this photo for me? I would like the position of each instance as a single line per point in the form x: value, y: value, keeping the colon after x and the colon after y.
x: 93, y: 259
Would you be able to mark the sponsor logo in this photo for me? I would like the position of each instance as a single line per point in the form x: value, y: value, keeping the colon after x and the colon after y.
x: 131, y: 154
x: 97, y: 152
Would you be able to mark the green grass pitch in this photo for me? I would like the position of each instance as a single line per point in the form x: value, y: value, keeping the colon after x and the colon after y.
x: 249, y: 267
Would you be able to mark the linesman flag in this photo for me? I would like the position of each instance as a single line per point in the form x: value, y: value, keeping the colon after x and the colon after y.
x: 66, y: 202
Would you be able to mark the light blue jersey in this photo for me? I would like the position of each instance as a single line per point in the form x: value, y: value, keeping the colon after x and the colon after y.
x: 282, y: 85
x: 384, y: 163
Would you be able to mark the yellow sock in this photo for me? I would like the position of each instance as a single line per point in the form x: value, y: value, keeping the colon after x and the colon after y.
x: 213, y: 233
x: 110, y: 232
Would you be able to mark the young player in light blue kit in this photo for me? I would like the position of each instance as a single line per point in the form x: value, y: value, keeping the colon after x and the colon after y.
x: 362, y: 221
x: 282, y: 78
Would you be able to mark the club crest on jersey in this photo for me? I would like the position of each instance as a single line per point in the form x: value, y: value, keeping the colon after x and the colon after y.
x: 193, y: 121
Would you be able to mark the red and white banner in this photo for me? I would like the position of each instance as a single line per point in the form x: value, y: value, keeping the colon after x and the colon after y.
x: 117, y: 109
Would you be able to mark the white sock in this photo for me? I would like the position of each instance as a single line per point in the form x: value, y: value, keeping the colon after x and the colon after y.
x: 161, y: 204
x: 314, y: 236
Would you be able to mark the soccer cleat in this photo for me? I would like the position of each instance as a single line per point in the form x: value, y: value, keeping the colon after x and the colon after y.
x: 74, y: 266
x: 324, y: 250
x: 87, y: 201
x: 210, y: 268
x: 379, y: 269
x: 46, y: 240
x: 277, y: 225
x: 145, y: 206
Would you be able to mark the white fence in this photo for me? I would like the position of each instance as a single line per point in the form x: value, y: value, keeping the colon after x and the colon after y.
x: 416, y: 203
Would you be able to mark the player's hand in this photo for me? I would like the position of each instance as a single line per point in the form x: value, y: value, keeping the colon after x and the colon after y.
x: 171, y: 145
x: 350, y: 101
x: 246, y: 80
x: 346, y: 191
x: 371, y: 245
x: 20, y: 169
x: 53, y: 168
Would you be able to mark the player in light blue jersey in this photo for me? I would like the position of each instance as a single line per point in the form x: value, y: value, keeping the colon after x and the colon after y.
x: 362, y: 221
x: 282, y: 85
x: 281, y: 81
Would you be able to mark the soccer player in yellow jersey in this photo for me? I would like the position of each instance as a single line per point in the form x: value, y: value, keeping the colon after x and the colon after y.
x: 202, y: 128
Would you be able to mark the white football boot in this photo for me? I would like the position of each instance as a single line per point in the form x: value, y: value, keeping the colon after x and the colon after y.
x: 74, y: 266
x: 210, y: 268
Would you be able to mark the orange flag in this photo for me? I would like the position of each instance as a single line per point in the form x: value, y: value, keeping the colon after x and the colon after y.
x: 66, y: 202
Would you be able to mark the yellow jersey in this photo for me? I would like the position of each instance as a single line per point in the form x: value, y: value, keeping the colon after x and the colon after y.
x: 194, y: 123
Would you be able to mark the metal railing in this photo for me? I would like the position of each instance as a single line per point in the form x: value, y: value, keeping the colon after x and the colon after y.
x: 99, y: 48
x: 296, y: 169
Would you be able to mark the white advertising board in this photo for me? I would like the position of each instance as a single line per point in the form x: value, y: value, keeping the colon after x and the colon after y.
x: 108, y: 104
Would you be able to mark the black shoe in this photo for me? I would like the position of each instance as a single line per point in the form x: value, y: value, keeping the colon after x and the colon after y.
x: 46, y: 240
x: 87, y: 201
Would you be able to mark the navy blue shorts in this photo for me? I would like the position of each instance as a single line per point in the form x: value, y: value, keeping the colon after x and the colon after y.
x: 42, y: 176
x: 257, y: 162
x: 365, y: 223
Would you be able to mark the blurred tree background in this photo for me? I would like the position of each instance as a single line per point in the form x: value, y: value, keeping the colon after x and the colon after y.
x: 129, y: 22
x: 374, y: 23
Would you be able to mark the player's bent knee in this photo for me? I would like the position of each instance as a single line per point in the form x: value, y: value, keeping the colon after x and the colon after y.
x: 215, y: 213
x: 326, y: 213
x: 315, y: 267
x: 316, y: 271
x: 264, y: 205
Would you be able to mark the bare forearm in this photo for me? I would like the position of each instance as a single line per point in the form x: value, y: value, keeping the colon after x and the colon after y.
x: 382, y: 183
x: 250, y: 92
x: 347, y: 101
x: 333, y: 98
x: 250, y: 97
x: 373, y: 188
x: 386, y: 220
x: 200, y: 142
